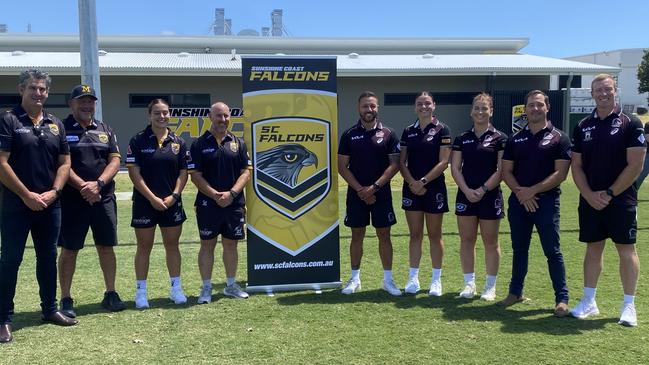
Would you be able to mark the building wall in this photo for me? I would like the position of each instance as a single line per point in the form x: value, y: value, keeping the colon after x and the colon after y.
x: 127, y: 121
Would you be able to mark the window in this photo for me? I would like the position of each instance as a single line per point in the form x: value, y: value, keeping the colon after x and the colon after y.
x: 175, y: 100
x: 53, y: 100
x: 444, y: 98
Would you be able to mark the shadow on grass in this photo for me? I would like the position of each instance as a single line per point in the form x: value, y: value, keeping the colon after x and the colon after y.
x: 521, y: 318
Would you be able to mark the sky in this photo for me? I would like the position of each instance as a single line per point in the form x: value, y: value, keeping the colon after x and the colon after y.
x: 555, y: 28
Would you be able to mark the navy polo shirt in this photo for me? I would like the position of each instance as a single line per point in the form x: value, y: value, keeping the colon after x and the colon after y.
x: 219, y: 163
x: 159, y: 166
x: 90, y: 150
x: 603, y: 145
x: 534, y: 154
x: 34, y: 150
x: 368, y: 151
x: 423, y: 147
x: 479, y: 154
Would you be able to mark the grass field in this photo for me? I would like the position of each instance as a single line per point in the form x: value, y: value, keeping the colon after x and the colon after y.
x: 370, y: 327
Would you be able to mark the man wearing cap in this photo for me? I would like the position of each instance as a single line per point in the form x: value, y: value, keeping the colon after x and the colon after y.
x: 34, y: 166
x: 88, y: 200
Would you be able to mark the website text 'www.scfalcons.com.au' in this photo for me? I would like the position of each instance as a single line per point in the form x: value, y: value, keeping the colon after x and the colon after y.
x: 293, y: 265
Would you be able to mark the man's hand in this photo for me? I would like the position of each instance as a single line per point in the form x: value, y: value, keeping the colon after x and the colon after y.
x: 34, y: 201
x: 159, y: 204
x: 90, y: 191
x: 597, y: 199
x: 417, y: 187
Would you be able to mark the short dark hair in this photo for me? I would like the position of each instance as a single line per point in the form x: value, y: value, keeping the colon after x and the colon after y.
x: 538, y: 92
x: 425, y: 93
x: 156, y: 101
x: 34, y: 74
x: 367, y: 94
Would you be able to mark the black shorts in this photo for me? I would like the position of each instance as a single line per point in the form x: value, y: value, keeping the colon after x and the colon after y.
x: 617, y: 222
x: 490, y: 207
x: 213, y: 221
x: 78, y: 216
x: 381, y: 212
x: 145, y: 216
x: 435, y: 201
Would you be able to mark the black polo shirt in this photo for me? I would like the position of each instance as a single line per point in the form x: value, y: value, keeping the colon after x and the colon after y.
x: 534, y: 154
x: 423, y: 147
x: 479, y: 154
x: 90, y: 150
x: 219, y: 163
x: 159, y: 166
x: 34, y: 150
x: 368, y: 151
x: 603, y: 145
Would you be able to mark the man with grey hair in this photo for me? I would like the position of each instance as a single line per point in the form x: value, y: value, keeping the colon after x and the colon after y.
x: 34, y: 167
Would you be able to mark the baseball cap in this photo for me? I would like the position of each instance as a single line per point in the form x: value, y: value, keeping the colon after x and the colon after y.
x: 81, y: 91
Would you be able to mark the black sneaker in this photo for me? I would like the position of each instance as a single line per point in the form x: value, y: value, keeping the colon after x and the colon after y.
x: 112, y: 302
x: 67, y: 307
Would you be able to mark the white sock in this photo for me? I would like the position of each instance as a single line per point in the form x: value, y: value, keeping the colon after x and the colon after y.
x: 437, y: 274
x: 387, y: 275
x: 175, y: 281
x: 628, y: 299
x: 469, y: 278
x: 207, y: 283
x: 414, y: 272
x: 140, y: 285
x: 491, y: 280
x: 229, y: 281
x: 356, y: 274
x: 589, y: 294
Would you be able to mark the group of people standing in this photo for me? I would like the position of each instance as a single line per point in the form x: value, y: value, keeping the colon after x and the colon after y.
x: 57, y: 183
x: 606, y: 154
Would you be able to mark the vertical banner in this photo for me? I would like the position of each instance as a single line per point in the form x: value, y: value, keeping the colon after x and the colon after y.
x: 291, y: 129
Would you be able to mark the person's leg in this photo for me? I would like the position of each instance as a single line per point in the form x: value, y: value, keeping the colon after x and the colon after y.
x: 206, y: 259
x: 14, y: 228
x: 467, y: 227
x: 489, y: 229
x: 171, y: 243
x: 434, y: 228
x: 45, y: 234
x: 67, y: 267
x: 521, y: 225
x: 144, y: 237
x: 546, y: 221
x: 415, y: 220
x: 108, y: 265
x: 629, y: 267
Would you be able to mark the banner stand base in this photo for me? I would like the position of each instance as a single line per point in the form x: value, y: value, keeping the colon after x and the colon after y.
x: 269, y: 289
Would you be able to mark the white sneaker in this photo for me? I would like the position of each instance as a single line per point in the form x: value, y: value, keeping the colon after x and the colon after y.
x: 584, y: 309
x: 469, y: 291
x: 435, y: 288
x: 235, y: 291
x: 177, y: 295
x: 628, y: 317
x: 352, y: 286
x: 390, y: 287
x: 141, y: 300
x: 412, y: 286
x: 206, y: 295
x: 488, y: 293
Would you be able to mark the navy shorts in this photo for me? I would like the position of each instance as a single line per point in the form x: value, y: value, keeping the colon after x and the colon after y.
x: 78, y: 216
x: 213, y: 221
x: 617, y: 222
x: 434, y: 201
x: 490, y: 207
x: 381, y: 212
x: 145, y: 216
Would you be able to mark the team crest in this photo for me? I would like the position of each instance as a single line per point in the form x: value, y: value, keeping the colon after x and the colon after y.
x: 175, y: 148
x: 54, y: 129
x: 234, y: 147
x: 103, y: 138
x: 291, y: 163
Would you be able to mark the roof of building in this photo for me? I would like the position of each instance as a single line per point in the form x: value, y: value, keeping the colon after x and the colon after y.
x: 121, y: 55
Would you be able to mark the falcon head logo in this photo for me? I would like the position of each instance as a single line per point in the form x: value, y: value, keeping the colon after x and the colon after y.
x: 285, y: 162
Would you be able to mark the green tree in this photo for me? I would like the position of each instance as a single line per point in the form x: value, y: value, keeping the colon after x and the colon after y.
x: 643, y: 73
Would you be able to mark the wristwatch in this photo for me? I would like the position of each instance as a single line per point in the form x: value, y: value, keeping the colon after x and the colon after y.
x: 176, y: 196
x: 101, y: 183
x: 234, y: 194
x: 609, y: 192
x: 58, y: 192
x: 424, y: 180
x: 485, y: 188
x: 376, y: 186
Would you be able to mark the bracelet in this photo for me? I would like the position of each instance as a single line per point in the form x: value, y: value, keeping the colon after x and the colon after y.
x: 176, y: 196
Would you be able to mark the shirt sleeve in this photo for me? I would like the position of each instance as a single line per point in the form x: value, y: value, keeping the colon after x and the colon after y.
x: 577, y: 137
x: 457, y: 144
x: 194, y: 162
x: 445, y: 137
x: 635, y: 134
x: 502, y: 142
x: 6, y: 131
x: 113, y: 147
x: 64, y: 147
x: 244, y: 158
x: 343, y: 146
x: 404, y: 138
x: 646, y: 128
x: 509, y: 150
x: 183, y: 155
x: 563, y: 148
x: 132, y: 153
x: 393, y: 144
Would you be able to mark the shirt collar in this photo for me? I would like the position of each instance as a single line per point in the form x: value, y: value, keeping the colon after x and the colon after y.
x: 377, y: 126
